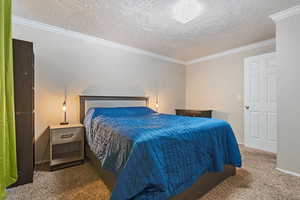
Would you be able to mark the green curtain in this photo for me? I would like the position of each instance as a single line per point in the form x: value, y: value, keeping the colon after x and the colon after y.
x: 8, y: 163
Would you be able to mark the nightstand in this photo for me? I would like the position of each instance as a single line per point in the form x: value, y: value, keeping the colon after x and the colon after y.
x: 66, y: 145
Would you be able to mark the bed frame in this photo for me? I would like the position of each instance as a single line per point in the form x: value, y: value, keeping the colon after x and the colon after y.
x: 204, y: 184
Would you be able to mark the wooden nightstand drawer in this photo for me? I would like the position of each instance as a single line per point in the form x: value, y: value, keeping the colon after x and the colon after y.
x: 61, y: 136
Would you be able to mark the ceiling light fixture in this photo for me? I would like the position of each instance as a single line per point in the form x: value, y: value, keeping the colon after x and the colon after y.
x: 186, y: 10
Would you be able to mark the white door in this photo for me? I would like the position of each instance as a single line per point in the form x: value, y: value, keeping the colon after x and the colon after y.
x: 260, y: 109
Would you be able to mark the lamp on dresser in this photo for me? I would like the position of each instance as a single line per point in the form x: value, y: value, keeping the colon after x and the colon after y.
x: 156, y: 103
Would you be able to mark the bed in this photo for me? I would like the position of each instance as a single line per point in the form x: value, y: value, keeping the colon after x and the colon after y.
x: 142, y: 154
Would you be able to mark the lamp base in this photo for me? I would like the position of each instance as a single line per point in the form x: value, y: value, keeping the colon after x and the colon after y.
x: 64, y: 123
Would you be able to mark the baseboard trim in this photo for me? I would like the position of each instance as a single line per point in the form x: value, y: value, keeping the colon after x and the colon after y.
x: 41, y: 162
x: 288, y: 172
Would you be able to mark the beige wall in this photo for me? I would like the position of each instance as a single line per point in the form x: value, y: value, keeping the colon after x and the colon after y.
x: 84, y: 67
x: 218, y: 84
x: 288, y: 47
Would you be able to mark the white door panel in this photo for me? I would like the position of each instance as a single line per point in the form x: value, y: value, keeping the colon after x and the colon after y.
x: 260, y: 102
x: 272, y: 124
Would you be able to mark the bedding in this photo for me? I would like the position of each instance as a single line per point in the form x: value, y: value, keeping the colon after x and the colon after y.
x: 156, y: 156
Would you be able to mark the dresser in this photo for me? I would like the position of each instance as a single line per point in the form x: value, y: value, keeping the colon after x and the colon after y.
x: 23, y: 59
x: 194, y: 113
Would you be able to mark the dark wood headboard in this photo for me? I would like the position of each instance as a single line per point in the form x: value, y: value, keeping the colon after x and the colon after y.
x: 83, y: 100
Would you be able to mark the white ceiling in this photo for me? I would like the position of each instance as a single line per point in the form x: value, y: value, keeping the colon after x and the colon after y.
x: 149, y: 24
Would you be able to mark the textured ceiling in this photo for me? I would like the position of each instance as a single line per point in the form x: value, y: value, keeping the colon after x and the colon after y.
x: 149, y: 24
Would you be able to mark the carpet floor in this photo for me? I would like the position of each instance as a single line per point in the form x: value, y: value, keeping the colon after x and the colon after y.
x: 257, y: 180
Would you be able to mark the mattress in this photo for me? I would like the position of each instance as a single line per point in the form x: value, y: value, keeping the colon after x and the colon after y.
x: 156, y: 156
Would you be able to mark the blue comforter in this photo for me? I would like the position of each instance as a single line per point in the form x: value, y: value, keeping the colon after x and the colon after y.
x: 156, y: 156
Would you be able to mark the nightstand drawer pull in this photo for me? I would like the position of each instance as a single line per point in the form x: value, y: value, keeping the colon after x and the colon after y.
x: 66, y: 136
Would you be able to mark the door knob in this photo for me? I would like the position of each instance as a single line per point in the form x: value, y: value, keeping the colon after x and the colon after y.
x: 247, y: 107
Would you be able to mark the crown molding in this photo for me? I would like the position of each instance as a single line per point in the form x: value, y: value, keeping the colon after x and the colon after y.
x: 50, y: 28
x: 234, y: 51
x: 54, y: 29
x: 285, y: 14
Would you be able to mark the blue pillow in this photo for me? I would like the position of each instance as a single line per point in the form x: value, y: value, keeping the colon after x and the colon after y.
x: 122, y: 111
